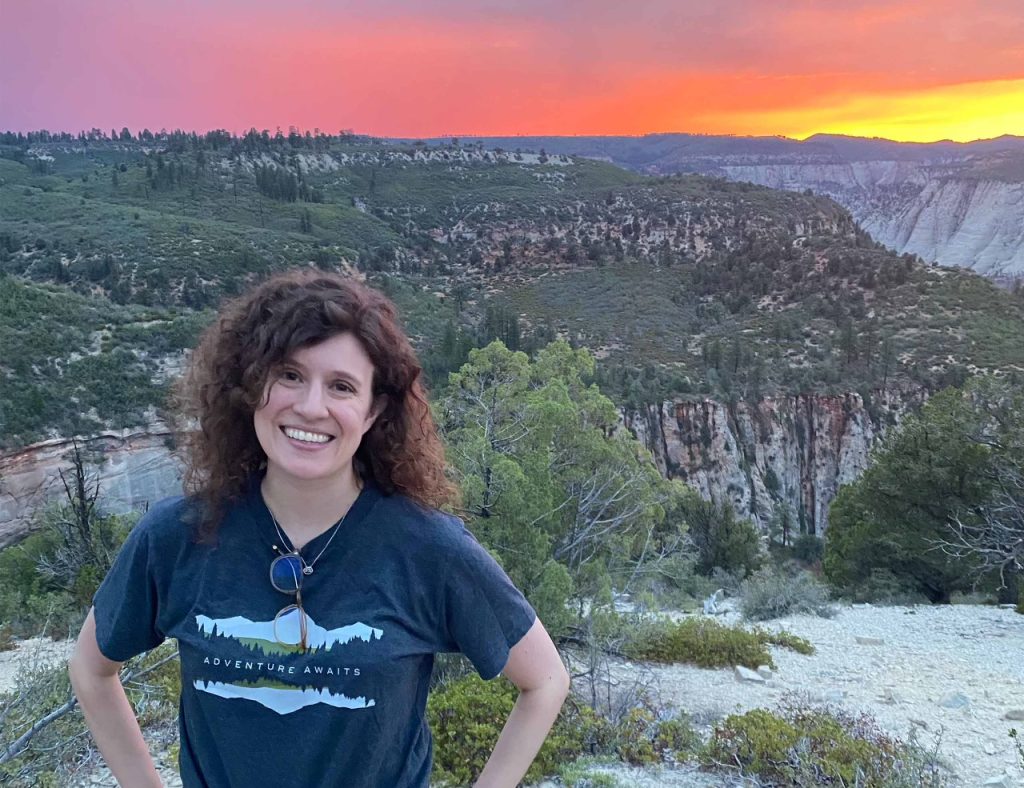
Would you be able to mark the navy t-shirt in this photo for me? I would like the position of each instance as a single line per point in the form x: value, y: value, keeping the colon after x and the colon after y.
x: 398, y: 584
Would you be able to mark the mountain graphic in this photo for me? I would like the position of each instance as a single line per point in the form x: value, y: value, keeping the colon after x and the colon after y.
x: 281, y: 700
x: 260, y: 634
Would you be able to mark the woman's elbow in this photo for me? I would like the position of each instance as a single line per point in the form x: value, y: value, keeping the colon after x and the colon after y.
x: 564, y: 683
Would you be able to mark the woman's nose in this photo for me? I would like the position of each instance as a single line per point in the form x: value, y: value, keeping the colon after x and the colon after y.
x: 311, y: 402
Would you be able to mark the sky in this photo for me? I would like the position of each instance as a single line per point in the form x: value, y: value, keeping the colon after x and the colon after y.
x: 902, y: 69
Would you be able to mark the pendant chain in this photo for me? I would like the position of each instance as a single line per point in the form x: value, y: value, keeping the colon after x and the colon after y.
x: 307, y: 567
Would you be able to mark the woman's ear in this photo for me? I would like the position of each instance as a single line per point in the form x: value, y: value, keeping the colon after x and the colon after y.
x: 380, y: 402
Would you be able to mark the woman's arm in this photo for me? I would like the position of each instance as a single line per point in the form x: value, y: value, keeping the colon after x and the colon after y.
x: 108, y: 712
x: 535, y: 667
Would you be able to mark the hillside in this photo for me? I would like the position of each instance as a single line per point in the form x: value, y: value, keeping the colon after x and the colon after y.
x: 958, y: 204
x: 683, y: 285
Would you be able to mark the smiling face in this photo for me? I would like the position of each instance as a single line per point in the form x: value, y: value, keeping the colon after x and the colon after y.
x: 316, y: 408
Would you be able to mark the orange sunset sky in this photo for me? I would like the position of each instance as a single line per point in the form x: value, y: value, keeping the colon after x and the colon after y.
x: 903, y: 69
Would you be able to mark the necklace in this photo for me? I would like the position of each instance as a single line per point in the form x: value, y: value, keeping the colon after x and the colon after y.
x: 307, y: 567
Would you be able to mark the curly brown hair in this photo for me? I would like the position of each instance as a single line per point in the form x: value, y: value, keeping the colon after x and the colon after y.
x: 255, y: 333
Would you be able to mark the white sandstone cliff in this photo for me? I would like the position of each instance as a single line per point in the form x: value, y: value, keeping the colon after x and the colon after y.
x: 136, y: 469
x: 940, y: 212
x: 796, y: 450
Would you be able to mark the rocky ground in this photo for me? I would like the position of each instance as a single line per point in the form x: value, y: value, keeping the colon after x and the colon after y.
x: 30, y: 654
x: 950, y: 677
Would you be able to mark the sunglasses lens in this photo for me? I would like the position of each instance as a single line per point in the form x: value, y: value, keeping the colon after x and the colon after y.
x: 286, y: 573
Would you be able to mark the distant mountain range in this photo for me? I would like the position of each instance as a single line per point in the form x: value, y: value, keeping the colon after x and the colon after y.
x: 953, y: 203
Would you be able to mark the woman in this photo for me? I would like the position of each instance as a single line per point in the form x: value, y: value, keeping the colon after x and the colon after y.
x: 310, y: 578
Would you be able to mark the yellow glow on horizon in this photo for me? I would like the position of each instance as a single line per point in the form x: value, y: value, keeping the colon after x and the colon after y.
x: 965, y: 112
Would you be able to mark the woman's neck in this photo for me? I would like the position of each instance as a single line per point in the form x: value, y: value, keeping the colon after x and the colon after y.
x: 304, y: 509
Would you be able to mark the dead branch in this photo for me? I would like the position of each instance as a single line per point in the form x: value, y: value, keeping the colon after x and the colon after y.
x: 19, y: 745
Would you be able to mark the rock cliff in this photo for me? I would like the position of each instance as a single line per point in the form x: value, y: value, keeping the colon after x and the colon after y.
x: 134, y: 468
x: 791, y: 451
x: 935, y: 211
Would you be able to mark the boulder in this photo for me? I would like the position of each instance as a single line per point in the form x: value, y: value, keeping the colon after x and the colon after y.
x: 954, y: 700
x: 864, y: 640
x: 746, y: 674
x: 999, y: 781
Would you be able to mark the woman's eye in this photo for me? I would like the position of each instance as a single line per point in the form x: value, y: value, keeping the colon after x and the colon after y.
x: 342, y: 386
x: 289, y: 375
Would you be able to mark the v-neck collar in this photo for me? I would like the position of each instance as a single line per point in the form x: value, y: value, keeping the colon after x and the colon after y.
x: 260, y: 514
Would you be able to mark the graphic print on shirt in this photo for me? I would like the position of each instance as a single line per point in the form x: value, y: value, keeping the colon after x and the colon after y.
x: 259, y: 638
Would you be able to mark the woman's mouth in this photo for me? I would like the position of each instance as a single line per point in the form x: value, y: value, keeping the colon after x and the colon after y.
x: 305, y: 436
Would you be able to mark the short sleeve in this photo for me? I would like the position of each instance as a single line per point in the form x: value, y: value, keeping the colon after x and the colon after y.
x: 485, y: 614
x: 126, y: 603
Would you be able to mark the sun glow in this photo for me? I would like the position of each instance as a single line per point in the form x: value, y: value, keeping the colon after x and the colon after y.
x: 955, y: 112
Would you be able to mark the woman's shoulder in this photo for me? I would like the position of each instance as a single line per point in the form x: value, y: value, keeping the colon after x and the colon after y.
x: 169, y: 519
x: 423, y: 524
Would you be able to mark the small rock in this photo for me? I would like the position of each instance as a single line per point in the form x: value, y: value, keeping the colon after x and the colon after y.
x: 746, y: 674
x: 764, y: 671
x: 864, y: 640
x: 1014, y: 714
x: 954, y: 700
x: 833, y: 695
x: 889, y: 695
x: 999, y: 781
x: 919, y: 723
x: 990, y: 748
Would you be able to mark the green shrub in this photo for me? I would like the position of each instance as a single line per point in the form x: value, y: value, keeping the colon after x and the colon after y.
x: 1020, y: 601
x: 722, y: 539
x: 173, y: 756
x: 807, y: 746
x: 582, y: 773
x: 30, y: 603
x: 635, y: 742
x: 808, y: 548
x: 47, y: 580
x: 675, y: 738
x: 699, y: 641
x: 642, y: 738
x: 787, y: 640
x: 7, y: 642
x: 882, y: 586
x: 771, y: 594
x: 50, y: 614
x: 155, y: 695
x: 467, y: 715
